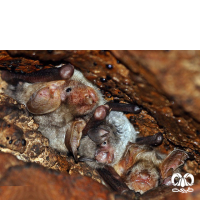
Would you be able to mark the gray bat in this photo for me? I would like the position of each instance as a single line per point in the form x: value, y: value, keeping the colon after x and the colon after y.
x: 106, y: 141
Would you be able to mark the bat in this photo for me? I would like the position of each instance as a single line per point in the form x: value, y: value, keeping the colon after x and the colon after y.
x: 106, y: 136
x: 143, y: 168
x: 62, y: 102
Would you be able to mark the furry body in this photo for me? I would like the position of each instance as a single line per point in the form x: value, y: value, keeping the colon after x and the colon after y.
x: 121, y: 131
x: 53, y: 125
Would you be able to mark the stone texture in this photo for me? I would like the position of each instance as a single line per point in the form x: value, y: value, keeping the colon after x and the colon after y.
x: 40, y: 183
x: 176, y: 73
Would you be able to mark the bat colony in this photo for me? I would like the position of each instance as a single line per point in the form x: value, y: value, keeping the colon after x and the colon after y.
x: 74, y: 116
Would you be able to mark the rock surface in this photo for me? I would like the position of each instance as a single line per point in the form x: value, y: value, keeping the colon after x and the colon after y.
x: 41, y: 183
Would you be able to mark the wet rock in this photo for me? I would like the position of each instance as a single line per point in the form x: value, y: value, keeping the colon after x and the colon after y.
x: 175, y: 73
x: 20, y: 64
x: 172, y: 75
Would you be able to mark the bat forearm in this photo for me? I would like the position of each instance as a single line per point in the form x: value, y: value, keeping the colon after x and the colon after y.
x: 62, y: 73
x: 114, y: 181
x: 153, y: 140
x: 131, y: 108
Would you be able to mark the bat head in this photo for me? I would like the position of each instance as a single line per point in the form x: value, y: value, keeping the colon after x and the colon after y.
x: 143, y: 176
x: 101, y: 151
x: 81, y: 98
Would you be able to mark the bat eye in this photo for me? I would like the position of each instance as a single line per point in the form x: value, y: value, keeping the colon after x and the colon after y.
x: 68, y: 90
x: 128, y: 173
x: 104, y: 143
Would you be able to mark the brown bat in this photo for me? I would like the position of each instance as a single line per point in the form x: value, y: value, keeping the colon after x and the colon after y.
x: 143, y: 168
x: 62, y: 102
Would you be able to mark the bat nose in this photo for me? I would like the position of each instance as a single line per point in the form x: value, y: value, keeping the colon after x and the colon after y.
x: 90, y: 97
x: 144, y: 175
x: 88, y: 100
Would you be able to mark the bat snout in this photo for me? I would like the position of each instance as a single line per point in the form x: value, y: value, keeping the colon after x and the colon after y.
x: 144, y: 175
x: 90, y: 97
x: 141, y: 180
x: 88, y: 100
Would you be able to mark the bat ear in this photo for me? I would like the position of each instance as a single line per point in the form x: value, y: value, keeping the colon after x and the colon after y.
x: 44, y: 101
x: 174, y: 160
x: 98, y: 135
x: 73, y: 136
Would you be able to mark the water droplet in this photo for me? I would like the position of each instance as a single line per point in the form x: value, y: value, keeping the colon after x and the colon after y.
x: 109, y: 66
x: 103, y: 79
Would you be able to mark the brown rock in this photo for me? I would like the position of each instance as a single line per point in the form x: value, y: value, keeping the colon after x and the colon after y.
x: 159, y: 193
x: 165, y: 192
x: 173, y: 74
x: 20, y: 64
x: 40, y: 183
x: 191, y: 195
x: 176, y: 73
x: 7, y: 161
x: 11, y: 137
